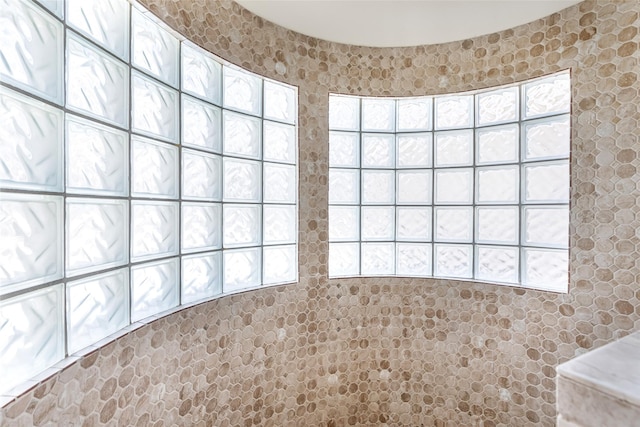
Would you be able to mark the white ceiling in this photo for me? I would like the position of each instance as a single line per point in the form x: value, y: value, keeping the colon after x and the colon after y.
x: 392, y: 23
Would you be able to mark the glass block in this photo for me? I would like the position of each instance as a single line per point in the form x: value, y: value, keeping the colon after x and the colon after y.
x: 279, y: 142
x: 280, y: 102
x: 280, y: 264
x: 344, y: 186
x: 454, y: 148
x: 55, y: 6
x: 413, y: 224
x: 549, y: 95
x: 546, y: 269
x: 241, y: 269
x: 498, y: 144
x: 453, y: 261
x: 344, y: 259
x: 201, y: 226
x: 32, y: 54
x: 201, y: 125
x: 546, y: 182
x: 413, y: 259
x: 201, y: 73
x: 378, y: 223
x: 378, y: 187
x: 241, y: 135
x: 154, y: 169
x: 201, y: 277
x: 497, y: 225
x: 547, y: 138
x: 31, y: 143
x: 242, y: 91
x: 280, y: 224
x: 154, y: 288
x: 97, y: 158
x: 104, y: 21
x: 241, y: 226
x: 414, y: 187
x: 241, y: 180
x: 280, y: 183
x: 454, y: 224
x: 344, y: 113
x: 378, y: 114
x: 454, y: 112
x: 498, y: 106
x: 154, y: 108
x: 414, y: 150
x: 155, y: 50
x: 154, y: 229
x: 344, y: 223
x: 546, y: 226
x: 344, y: 149
x: 378, y: 259
x: 31, y: 247
x: 200, y: 175
x: 31, y: 334
x: 378, y: 151
x: 454, y: 186
x: 96, y: 308
x: 497, y: 185
x: 414, y: 114
x: 497, y: 264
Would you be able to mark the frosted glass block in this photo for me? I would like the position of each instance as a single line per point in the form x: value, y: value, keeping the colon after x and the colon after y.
x: 454, y: 112
x: 378, y: 187
x: 414, y: 114
x: 280, y: 102
x: 32, y: 55
x: 547, y: 138
x: 241, y: 225
x: 280, y: 224
x: 241, y: 135
x: 155, y: 287
x: 104, y: 21
x: 280, y: 264
x: 280, y: 183
x: 497, y: 185
x: 546, y: 226
x: 378, y: 151
x: 242, y: 91
x: 97, y: 234
x: 546, y: 269
x: 547, y: 182
x: 31, y: 143
x: 31, y: 334
x: 498, y: 144
x: 454, y: 148
x: 454, y: 224
x: 242, y: 269
x: 201, y: 226
x: 201, y: 125
x: 378, y: 114
x: 154, y: 168
x: 201, y: 73
x: 241, y: 180
x: 497, y: 264
x: 497, y: 225
x: 96, y: 308
x: 154, y: 229
x: 344, y: 223
x: 155, y: 50
x: 97, y: 158
x: 454, y: 186
x: 378, y: 259
x: 344, y: 186
x: 378, y: 223
x: 414, y: 187
x: 344, y: 113
x: 31, y: 246
x: 154, y: 108
x: 55, y: 6
x: 279, y: 142
x: 344, y: 149
x: 413, y: 259
x: 549, y: 95
x: 498, y: 106
x: 344, y: 259
x: 453, y: 261
x: 200, y: 175
x: 414, y: 150
x: 413, y: 224
x: 201, y: 277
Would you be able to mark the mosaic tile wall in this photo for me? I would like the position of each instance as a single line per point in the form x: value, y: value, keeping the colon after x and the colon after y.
x: 389, y: 351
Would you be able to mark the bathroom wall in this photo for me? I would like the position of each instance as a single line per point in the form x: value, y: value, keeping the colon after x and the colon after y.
x: 389, y: 351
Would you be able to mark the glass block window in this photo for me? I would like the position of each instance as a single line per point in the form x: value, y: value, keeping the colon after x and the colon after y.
x: 472, y: 186
x: 138, y: 173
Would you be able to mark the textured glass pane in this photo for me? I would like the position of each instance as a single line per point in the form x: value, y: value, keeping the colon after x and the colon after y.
x: 497, y: 264
x: 454, y: 224
x: 454, y: 112
x: 241, y: 180
x: 201, y: 125
x: 32, y: 49
x: 344, y: 259
x: 454, y: 148
x: 414, y: 187
x: 344, y: 149
x: 242, y: 91
x: 154, y: 227
x: 498, y: 144
x: 378, y: 150
x: 414, y: 150
x: 97, y: 158
x: 454, y: 186
x: 378, y: 223
x: 201, y: 226
x: 154, y: 168
x: 201, y: 277
x: 279, y: 224
x: 547, y: 182
x: 31, y: 135
x: 279, y: 183
x: 154, y: 49
x: 378, y: 259
x: 413, y: 259
x: 378, y: 114
x: 453, y: 261
x: 413, y: 224
x: 154, y: 288
x: 344, y: 223
x: 55, y: 6
x: 241, y: 269
x: 280, y: 264
x: 31, y: 244
x: 200, y: 175
x: 548, y: 96
x: 155, y: 108
x: 547, y: 138
x: 414, y: 114
x: 497, y: 185
x: 498, y: 106
x: 97, y: 234
x: 497, y: 225
x: 96, y: 308
x: 241, y: 225
x: 546, y: 269
x: 31, y: 334
x: 279, y: 102
x: 344, y: 186
x: 344, y: 112
x: 201, y: 74
x: 241, y: 135
x: 105, y: 21
x: 378, y: 187
x: 279, y: 142
x: 546, y: 226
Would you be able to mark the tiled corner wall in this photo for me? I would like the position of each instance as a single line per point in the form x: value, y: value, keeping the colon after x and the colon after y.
x: 389, y: 351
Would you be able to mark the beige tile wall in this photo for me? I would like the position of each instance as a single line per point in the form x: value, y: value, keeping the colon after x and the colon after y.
x: 389, y: 351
